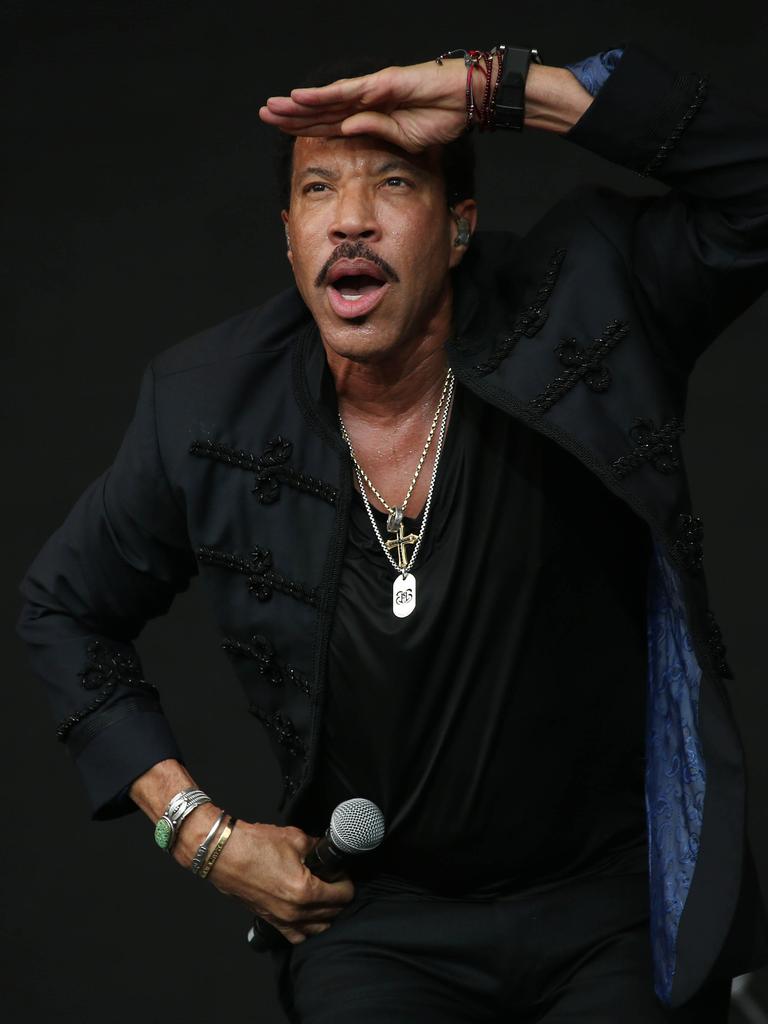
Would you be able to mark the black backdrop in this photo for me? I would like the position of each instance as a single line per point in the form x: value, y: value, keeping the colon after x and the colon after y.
x: 140, y: 208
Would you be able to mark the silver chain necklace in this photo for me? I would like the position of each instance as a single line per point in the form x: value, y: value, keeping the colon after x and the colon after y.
x: 404, y: 586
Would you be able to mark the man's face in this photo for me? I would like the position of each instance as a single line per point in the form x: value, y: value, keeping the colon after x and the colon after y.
x: 371, y: 242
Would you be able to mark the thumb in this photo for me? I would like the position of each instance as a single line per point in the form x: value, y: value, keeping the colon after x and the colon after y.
x: 373, y: 122
x: 301, y: 842
x: 307, y: 846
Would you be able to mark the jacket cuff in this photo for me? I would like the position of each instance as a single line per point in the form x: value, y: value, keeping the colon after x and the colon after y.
x: 641, y: 111
x: 119, y: 754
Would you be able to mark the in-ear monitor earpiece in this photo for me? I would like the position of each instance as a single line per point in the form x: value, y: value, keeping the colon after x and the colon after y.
x: 463, y: 234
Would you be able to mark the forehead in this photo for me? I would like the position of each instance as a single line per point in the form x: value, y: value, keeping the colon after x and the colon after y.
x: 363, y: 154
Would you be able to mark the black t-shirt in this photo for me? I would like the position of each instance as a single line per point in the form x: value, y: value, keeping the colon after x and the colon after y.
x: 500, y: 726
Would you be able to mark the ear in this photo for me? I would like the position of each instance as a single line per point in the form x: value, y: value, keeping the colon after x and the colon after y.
x: 289, y: 252
x: 463, y: 221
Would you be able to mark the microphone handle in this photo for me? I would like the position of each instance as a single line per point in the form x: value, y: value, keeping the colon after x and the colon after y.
x: 324, y: 860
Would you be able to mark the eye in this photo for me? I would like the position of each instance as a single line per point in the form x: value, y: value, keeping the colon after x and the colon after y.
x: 315, y: 186
x: 396, y: 182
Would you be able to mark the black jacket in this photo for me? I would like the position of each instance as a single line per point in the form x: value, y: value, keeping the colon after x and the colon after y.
x: 586, y: 329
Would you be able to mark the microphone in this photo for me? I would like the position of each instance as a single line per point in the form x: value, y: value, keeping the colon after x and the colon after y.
x: 357, y: 826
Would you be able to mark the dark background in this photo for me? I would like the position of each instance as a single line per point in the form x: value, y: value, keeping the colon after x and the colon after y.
x: 141, y: 208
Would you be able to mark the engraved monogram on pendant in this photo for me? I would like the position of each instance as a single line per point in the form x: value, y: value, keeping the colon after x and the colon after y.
x: 403, y: 595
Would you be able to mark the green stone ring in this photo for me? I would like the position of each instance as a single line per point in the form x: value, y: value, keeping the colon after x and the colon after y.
x: 163, y: 833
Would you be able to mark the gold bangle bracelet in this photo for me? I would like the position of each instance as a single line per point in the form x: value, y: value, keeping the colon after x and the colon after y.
x: 214, y: 854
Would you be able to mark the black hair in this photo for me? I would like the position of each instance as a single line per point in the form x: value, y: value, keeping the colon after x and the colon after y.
x: 458, y: 157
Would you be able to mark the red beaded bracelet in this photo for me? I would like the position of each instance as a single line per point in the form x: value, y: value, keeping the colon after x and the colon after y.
x: 490, y: 120
x: 472, y: 60
x: 486, y: 112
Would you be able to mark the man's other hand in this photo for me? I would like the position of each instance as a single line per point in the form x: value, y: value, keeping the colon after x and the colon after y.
x: 263, y: 866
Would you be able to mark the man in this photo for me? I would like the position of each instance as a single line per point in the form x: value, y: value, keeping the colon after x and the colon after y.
x: 438, y: 497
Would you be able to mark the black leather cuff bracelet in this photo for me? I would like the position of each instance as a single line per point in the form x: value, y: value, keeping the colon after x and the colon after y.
x: 510, y: 97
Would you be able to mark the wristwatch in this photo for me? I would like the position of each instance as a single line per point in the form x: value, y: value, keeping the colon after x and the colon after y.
x: 510, y: 97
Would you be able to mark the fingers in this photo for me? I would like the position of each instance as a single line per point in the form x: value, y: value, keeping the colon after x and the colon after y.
x: 315, y: 902
x: 345, y: 90
x: 323, y: 105
x: 307, y: 923
x: 282, y: 106
x: 295, y: 119
x: 322, y: 893
x: 302, y: 126
x: 297, y: 921
x: 307, y: 889
x: 320, y: 104
x: 295, y: 937
x: 331, y: 123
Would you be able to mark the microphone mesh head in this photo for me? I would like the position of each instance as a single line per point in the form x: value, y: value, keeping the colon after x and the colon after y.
x: 357, y: 826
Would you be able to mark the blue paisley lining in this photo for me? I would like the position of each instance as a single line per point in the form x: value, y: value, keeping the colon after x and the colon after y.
x: 593, y: 72
x: 675, y: 776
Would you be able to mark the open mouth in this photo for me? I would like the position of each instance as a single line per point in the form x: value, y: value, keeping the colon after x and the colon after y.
x: 355, y: 287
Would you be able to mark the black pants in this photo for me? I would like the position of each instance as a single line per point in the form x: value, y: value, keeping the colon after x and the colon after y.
x: 578, y: 953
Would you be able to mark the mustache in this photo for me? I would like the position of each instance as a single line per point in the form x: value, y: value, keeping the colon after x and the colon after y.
x: 355, y: 251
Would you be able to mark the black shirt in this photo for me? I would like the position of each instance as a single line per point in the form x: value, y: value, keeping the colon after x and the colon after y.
x: 500, y: 726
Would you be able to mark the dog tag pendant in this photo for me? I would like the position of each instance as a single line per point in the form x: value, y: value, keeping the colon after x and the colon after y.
x: 403, y: 595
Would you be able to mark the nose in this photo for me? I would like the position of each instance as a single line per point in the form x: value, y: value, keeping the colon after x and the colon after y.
x: 354, y: 217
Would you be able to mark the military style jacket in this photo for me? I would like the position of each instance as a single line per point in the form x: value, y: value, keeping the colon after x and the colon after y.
x: 586, y: 329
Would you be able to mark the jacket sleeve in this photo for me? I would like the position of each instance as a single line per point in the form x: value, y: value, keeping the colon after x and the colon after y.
x: 117, y: 560
x: 699, y: 253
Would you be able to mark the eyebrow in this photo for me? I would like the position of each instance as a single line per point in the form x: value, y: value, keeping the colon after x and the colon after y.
x: 320, y: 172
x: 389, y: 165
x: 397, y: 165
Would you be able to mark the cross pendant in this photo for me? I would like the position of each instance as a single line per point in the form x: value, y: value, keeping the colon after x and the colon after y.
x: 400, y: 542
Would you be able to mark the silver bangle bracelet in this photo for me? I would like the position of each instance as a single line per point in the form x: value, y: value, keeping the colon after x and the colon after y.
x: 182, y: 804
x: 202, y: 849
x: 182, y: 816
x: 177, y: 803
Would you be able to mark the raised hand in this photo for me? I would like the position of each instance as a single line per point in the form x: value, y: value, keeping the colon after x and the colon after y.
x: 411, y: 107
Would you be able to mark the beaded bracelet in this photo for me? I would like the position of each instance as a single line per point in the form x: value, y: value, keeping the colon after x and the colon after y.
x: 485, y: 106
x: 472, y: 60
x: 485, y: 114
x: 500, y: 52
